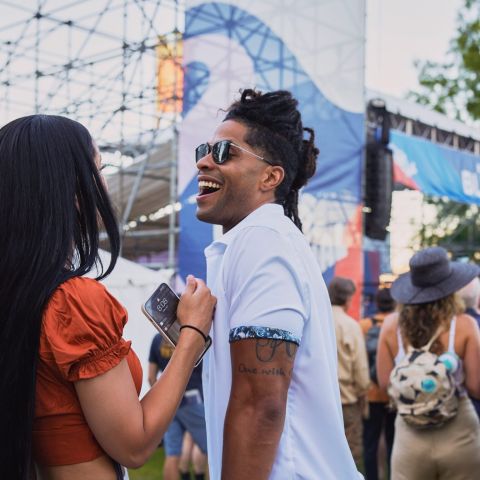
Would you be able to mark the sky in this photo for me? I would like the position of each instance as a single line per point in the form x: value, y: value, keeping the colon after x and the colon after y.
x: 401, y: 31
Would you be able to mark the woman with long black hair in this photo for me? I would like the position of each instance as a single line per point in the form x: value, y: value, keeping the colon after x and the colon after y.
x: 69, y: 382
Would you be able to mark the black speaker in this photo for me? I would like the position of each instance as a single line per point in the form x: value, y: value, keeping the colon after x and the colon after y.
x: 378, y: 122
x: 378, y: 190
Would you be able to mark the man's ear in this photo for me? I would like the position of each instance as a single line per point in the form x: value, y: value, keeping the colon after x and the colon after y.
x: 273, y: 176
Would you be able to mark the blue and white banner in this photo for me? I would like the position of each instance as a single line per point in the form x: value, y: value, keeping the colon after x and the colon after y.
x: 314, y: 49
x: 436, y: 169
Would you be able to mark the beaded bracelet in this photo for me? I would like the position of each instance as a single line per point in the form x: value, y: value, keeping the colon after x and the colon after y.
x: 197, y: 330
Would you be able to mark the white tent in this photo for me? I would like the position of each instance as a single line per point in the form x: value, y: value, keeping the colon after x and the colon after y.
x: 132, y: 284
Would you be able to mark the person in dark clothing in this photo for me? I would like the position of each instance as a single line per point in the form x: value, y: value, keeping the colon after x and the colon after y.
x: 380, y: 418
x: 190, y: 416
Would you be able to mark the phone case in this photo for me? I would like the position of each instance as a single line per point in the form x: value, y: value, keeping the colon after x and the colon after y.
x: 161, y: 310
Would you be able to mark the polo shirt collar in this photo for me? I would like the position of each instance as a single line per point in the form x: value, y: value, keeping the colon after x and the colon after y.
x: 261, y: 216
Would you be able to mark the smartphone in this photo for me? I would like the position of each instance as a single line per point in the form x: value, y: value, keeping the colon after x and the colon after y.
x: 161, y: 310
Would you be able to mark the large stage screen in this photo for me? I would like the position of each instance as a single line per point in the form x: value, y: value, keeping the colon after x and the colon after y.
x: 316, y: 50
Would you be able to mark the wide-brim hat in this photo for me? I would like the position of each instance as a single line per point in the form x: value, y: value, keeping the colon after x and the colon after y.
x: 432, y: 276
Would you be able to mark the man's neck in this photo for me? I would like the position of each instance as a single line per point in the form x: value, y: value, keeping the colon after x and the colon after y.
x: 226, y: 228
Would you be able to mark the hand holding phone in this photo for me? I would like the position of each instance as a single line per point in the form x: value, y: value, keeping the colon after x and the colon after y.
x: 164, y: 308
x: 197, y: 305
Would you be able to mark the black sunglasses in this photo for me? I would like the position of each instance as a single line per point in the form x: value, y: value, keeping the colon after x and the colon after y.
x: 220, y: 151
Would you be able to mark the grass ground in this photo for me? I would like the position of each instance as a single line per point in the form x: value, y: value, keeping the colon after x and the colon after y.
x: 152, y: 470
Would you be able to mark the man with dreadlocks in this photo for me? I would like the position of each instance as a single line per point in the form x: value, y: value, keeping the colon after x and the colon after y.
x: 271, y: 392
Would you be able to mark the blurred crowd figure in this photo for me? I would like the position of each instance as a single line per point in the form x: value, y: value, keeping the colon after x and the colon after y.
x: 470, y: 294
x: 192, y: 458
x: 352, y: 363
x: 185, y: 441
x: 430, y: 314
x: 381, y: 418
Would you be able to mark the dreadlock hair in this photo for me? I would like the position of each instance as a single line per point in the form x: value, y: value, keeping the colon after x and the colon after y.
x: 275, y: 126
x: 51, y: 200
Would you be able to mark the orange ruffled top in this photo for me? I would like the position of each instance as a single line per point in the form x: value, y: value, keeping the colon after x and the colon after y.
x: 81, y: 337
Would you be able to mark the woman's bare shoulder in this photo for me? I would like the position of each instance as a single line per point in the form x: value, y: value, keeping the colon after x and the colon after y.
x: 466, y: 323
x: 390, y: 323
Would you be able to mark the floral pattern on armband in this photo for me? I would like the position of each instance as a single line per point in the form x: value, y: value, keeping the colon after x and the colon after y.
x: 243, y: 332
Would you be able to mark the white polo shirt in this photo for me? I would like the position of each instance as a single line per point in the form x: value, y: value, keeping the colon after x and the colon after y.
x: 268, y: 285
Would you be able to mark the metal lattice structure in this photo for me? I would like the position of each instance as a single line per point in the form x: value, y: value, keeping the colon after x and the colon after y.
x: 97, y: 61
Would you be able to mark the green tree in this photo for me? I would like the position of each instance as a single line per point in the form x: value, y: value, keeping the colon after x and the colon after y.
x: 453, y: 87
x: 456, y: 227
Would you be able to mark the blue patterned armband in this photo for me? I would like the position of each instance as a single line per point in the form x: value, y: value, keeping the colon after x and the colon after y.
x: 240, y: 333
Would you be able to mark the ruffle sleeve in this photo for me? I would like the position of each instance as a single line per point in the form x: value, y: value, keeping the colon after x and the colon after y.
x: 83, y: 326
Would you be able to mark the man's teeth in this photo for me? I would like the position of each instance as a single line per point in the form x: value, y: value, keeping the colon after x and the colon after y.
x: 203, y: 184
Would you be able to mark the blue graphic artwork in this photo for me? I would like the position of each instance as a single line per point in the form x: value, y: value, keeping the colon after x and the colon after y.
x: 437, y: 169
x: 339, y: 133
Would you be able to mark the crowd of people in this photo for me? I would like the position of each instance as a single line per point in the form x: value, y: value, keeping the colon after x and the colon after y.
x: 274, y: 404
x: 411, y: 382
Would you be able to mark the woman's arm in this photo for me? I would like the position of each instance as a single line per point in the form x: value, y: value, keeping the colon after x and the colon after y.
x: 152, y: 373
x: 472, y: 356
x: 130, y: 430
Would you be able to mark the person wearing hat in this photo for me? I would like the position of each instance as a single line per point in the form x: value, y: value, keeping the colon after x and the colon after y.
x: 429, y: 304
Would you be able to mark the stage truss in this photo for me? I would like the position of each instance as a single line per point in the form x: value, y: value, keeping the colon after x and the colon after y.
x: 97, y: 61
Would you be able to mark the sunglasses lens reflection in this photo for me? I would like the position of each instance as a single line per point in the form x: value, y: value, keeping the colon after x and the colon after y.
x: 201, y: 151
x: 220, y: 151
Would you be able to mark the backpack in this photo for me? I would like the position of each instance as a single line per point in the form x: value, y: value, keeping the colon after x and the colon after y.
x: 422, y: 388
x: 371, y: 341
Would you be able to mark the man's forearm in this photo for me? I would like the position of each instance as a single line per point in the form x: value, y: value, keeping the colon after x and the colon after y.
x: 251, y: 436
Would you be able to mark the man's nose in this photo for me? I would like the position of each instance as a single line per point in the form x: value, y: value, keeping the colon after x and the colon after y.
x: 206, y: 162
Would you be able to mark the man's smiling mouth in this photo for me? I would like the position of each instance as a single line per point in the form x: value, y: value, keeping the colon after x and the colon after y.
x: 205, y: 188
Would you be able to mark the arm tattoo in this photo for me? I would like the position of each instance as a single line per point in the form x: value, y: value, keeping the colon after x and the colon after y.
x: 268, y: 371
x: 266, y: 348
x: 291, y: 350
